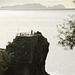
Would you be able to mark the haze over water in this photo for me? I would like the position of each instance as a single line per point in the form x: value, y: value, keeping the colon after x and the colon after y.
x: 59, y: 61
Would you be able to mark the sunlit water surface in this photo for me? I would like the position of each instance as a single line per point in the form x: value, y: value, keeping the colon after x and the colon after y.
x: 59, y: 61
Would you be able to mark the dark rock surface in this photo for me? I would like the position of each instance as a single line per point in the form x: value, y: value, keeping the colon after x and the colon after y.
x: 29, y: 55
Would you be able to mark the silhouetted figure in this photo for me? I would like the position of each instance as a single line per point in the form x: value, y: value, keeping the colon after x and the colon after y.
x: 31, y: 32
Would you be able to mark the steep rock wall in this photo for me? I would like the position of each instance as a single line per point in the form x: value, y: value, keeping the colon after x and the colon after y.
x: 30, y: 53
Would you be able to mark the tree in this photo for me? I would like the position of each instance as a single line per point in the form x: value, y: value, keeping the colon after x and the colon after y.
x: 73, y: 1
x: 4, y: 61
x: 67, y: 33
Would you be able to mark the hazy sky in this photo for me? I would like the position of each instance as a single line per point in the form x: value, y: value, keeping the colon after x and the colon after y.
x: 66, y: 3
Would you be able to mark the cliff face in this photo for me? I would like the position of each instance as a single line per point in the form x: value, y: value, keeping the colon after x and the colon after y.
x: 29, y: 57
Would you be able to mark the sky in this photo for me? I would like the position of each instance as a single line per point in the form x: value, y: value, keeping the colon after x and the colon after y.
x: 66, y: 3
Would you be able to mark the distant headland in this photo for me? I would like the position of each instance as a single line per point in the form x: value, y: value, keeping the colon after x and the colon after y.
x: 34, y: 6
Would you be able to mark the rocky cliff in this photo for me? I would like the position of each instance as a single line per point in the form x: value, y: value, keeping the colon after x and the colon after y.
x: 29, y: 55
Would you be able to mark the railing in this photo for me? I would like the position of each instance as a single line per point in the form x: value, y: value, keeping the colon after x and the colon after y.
x: 27, y: 34
x: 24, y: 34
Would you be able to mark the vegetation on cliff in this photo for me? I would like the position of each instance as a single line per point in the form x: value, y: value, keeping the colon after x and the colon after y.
x: 4, y: 61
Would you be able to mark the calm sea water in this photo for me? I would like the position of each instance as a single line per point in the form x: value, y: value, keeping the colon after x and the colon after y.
x: 59, y: 61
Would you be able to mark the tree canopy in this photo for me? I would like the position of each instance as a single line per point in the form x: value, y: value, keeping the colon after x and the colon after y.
x: 67, y: 32
x: 73, y: 1
x: 4, y: 60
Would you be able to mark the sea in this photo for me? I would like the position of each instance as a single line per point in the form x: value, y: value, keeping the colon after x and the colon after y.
x: 59, y: 61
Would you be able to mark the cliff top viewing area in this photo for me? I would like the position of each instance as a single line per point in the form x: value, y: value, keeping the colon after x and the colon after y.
x: 25, y: 34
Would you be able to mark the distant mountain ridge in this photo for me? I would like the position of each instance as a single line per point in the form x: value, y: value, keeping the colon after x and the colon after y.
x: 32, y: 6
x: 57, y: 7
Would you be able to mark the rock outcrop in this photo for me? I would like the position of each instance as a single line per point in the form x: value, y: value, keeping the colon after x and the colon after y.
x: 29, y: 55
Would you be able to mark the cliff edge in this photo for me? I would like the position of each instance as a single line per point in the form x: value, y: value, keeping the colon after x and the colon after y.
x: 29, y: 55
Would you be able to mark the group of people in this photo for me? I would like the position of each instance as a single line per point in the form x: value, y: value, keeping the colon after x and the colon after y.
x: 25, y: 34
